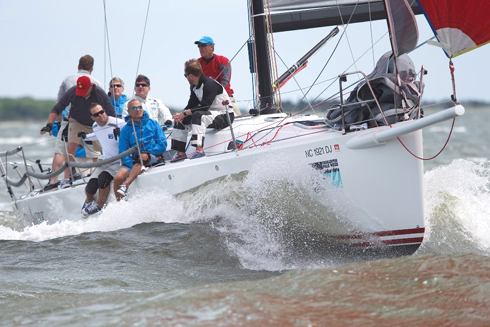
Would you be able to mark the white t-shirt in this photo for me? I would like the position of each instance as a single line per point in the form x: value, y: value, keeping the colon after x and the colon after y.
x: 105, y: 135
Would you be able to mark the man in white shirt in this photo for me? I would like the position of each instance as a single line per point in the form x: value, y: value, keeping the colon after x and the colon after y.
x: 106, y: 129
x: 154, y: 107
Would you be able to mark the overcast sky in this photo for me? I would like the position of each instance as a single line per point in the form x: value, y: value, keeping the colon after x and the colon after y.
x: 43, y: 40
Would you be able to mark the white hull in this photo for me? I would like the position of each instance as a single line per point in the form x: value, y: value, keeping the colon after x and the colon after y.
x: 382, y: 183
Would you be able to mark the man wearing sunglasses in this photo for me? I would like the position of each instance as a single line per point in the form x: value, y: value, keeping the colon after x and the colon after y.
x: 79, y: 98
x: 204, y: 109
x: 118, y: 99
x: 140, y: 131
x: 216, y: 66
x: 105, y: 131
x: 154, y: 107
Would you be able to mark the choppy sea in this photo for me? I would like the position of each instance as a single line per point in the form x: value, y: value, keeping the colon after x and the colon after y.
x: 206, y: 258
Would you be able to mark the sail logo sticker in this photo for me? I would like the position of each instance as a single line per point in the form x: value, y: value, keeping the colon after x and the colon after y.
x: 336, y: 148
x: 319, y: 151
x: 330, y: 169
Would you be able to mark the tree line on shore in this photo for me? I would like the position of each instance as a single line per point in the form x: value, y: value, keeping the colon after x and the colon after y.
x: 29, y: 109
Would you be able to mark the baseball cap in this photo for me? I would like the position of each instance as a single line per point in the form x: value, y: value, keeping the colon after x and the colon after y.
x: 83, y: 84
x: 205, y: 40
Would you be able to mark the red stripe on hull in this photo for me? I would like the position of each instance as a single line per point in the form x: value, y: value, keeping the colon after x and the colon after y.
x: 401, y: 241
x: 383, y: 233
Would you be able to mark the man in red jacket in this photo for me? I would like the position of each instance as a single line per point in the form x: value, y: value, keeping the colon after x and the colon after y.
x: 217, y: 67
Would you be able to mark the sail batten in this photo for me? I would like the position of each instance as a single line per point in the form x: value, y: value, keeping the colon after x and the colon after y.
x: 287, y: 15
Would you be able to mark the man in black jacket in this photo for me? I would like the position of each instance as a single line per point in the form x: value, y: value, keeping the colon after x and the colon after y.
x: 80, y: 97
x: 205, y: 108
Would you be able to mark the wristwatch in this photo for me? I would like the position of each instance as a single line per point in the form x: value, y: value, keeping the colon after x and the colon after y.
x: 185, y: 113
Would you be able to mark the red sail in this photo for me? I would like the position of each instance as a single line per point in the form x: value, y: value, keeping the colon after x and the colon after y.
x: 460, y: 26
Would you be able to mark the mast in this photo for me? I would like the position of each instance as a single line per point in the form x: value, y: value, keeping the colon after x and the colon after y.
x: 266, y: 100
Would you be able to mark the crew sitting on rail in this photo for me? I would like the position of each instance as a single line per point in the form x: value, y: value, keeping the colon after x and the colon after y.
x: 204, y: 109
x: 150, y: 139
x: 105, y: 130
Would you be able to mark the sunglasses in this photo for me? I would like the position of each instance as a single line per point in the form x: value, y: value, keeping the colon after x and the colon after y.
x: 98, y: 113
x: 185, y: 75
x: 202, y: 45
x: 142, y: 85
x: 137, y: 108
x: 116, y: 85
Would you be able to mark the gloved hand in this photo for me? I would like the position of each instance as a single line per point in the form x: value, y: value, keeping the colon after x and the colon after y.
x: 117, y: 132
x: 82, y: 134
x: 168, y: 122
x: 164, y: 128
x: 47, y: 129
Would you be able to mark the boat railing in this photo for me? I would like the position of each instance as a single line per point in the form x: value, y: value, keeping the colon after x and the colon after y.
x: 25, y: 178
x: 366, y: 104
x: 343, y: 78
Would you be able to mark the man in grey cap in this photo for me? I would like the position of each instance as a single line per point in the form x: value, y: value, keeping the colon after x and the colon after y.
x: 217, y: 67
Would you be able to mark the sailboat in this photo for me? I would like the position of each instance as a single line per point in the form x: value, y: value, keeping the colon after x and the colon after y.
x: 366, y: 152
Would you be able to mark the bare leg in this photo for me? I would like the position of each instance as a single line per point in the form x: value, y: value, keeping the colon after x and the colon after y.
x: 72, y: 150
x: 103, y: 195
x: 58, y: 161
x: 90, y: 197
x: 135, y: 171
x: 121, y: 175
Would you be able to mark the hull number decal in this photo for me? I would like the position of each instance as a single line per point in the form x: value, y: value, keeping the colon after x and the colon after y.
x: 310, y: 153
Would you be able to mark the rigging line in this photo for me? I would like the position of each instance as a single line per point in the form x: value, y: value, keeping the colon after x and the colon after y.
x: 250, y: 24
x: 254, y: 56
x: 294, y: 78
x: 335, y: 49
x: 106, y: 27
x: 272, y: 52
x: 321, y: 71
x: 236, y: 54
x: 371, y: 32
x: 304, y: 88
x: 142, y: 41
x: 362, y: 55
x: 435, y: 156
x: 276, y: 71
x: 345, y: 31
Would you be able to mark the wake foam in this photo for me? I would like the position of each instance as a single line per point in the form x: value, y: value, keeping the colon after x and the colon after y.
x: 152, y: 206
x: 457, y: 200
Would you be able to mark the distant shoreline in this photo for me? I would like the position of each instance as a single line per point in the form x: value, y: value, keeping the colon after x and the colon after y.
x: 30, y: 109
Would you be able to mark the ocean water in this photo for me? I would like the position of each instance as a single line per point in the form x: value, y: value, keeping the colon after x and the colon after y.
x: 229, y: 253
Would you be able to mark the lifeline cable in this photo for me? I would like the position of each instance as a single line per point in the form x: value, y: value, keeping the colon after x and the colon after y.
x: 447, y: 141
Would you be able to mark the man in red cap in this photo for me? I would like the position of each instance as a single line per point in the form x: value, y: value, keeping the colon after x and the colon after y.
x: 80, y: 97
x: 85, y: 67
x: 217, y: 67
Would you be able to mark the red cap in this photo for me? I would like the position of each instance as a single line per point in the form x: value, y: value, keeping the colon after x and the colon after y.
x: 83, y: 84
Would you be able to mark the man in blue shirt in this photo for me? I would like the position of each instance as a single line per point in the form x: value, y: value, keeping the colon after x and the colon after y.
x: 151, y: 141
x: 118, y: 99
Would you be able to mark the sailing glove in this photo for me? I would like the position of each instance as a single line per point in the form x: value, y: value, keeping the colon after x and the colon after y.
x: 47, y: 128
x: 82, y: 134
